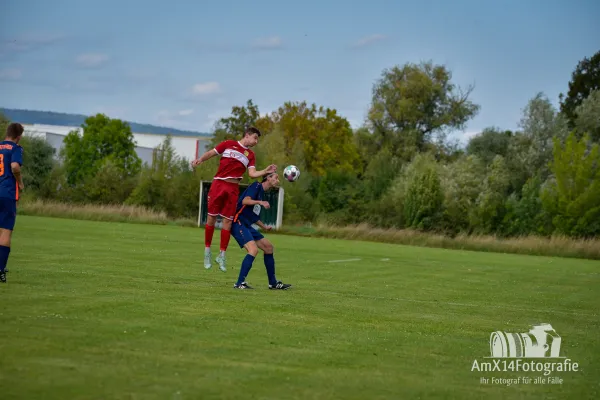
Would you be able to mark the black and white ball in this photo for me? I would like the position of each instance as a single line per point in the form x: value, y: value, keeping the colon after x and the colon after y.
x: 291, y: 173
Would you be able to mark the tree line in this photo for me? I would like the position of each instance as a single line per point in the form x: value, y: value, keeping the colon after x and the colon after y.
x: 398, y: 170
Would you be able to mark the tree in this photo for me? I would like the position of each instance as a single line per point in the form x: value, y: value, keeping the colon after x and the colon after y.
x: 109, y: 185
x: 234, y: 126
x: 489, y: 143
x: 530, y: 149
x: 379, y: 174
x: 462, y: 184
x: 37, y: 162
x: 271, y: 149
x: 412, y: 103
x: 366, y: 145
x: 489, y: 206
x: 424, y: 200
x: 102, y: 138
x: 326, y: 137
x: 155, y: 186
x: 393, y: 204
x: 169, y: 184
x: 4, y: 122
x: 588, y: 116
x: 299, y: 203
x: 584, y: 79
x: 572, y: 195
x: 333, y: 190
x: 525, y: 215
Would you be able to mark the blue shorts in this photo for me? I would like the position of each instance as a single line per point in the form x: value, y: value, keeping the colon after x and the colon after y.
x: 244, y: 234
x: 8, y: 213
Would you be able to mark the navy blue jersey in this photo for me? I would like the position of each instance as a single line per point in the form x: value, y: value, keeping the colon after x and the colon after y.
x: 10, y: 152
x: 248, y: 215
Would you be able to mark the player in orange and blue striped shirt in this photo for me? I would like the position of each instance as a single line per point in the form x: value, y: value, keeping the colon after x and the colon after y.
x: 11, y: 182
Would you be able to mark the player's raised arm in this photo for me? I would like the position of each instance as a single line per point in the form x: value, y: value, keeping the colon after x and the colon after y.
x: 253, y: 173
x: 204, y: 157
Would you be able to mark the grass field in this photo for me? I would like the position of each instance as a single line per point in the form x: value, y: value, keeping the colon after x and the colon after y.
x: 96, y: 310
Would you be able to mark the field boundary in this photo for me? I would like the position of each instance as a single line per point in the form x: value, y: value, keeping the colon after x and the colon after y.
x: 558, y: 246
x: 96, y: 212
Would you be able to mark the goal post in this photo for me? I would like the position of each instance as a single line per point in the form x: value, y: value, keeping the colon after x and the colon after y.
x: 271, y: 217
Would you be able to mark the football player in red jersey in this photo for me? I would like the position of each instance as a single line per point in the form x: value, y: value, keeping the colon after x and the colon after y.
x: 236, y: 158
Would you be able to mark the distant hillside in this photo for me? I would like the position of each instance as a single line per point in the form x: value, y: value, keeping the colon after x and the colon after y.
x: 54, y: 118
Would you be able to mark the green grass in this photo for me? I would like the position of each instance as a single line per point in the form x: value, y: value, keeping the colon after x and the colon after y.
x: 97, y: 310
x: 556, y: 246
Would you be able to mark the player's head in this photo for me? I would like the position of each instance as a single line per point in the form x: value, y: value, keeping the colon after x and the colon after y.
x: 14, y: 132
x: 270, y: 181
x: 251, y: 136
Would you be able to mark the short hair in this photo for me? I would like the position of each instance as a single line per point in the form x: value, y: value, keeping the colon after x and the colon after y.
x: 264, y: 179
x: 252, y: 130
x: 14, y: 130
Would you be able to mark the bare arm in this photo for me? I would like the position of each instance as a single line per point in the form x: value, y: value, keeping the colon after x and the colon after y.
x: 262, y: 226
x: 253, y: 173
x: 204, y: 157
x: 16, y: 170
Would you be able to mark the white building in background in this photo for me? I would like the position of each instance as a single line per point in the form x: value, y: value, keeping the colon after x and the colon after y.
x: 189, y: 147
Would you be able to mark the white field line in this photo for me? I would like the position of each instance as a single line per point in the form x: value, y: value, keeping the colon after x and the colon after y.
x: 348, y: 260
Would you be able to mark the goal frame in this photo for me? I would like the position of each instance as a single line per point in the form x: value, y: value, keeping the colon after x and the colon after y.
x: 276, y: 222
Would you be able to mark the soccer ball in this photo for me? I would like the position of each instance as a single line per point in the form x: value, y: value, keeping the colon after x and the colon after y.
x: 291, y: 173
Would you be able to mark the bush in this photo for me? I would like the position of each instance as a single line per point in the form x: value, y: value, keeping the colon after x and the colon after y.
x: 37, y: 162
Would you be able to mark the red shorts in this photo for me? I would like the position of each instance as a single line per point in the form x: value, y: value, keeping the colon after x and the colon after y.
x: 223, y: 198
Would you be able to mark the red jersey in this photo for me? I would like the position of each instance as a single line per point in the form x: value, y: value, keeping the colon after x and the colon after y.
x: 235, y: 159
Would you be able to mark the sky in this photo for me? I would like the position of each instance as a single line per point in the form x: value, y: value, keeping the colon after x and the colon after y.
x: 184, y: 64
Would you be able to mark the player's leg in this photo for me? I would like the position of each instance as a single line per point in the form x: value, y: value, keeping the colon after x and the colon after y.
x: 5, y: 236
x: 8, y: 215
x: 215, y: 202
x: 246, y: 265
x: 225, y: 236
x: 267, y: 247
x: 230, y: 199
x: 209, y: 230
x: 244, y: 238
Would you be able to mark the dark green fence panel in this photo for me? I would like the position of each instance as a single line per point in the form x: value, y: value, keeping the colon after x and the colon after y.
x: 268, y: 217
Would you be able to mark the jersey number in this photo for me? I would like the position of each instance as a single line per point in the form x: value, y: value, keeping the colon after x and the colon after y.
x: 1, y: 164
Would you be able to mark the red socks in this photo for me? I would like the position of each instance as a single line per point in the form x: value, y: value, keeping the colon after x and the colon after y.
x: 225, y: 235
x: 208, y: 235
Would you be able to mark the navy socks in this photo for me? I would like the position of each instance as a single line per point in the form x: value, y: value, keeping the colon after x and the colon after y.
x: 270, y: 265
x: 245, y: 270
x: 4, y: 252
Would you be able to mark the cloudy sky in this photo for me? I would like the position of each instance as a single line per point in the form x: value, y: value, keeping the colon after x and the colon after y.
x: 184, y: 64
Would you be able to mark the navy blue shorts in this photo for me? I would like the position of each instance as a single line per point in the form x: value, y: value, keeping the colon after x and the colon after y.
x: 244, y: 234
x: 8, y: 213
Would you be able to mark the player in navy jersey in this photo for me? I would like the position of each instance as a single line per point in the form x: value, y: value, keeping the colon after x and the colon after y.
x: 248, y: 213
x: 11, y: 182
